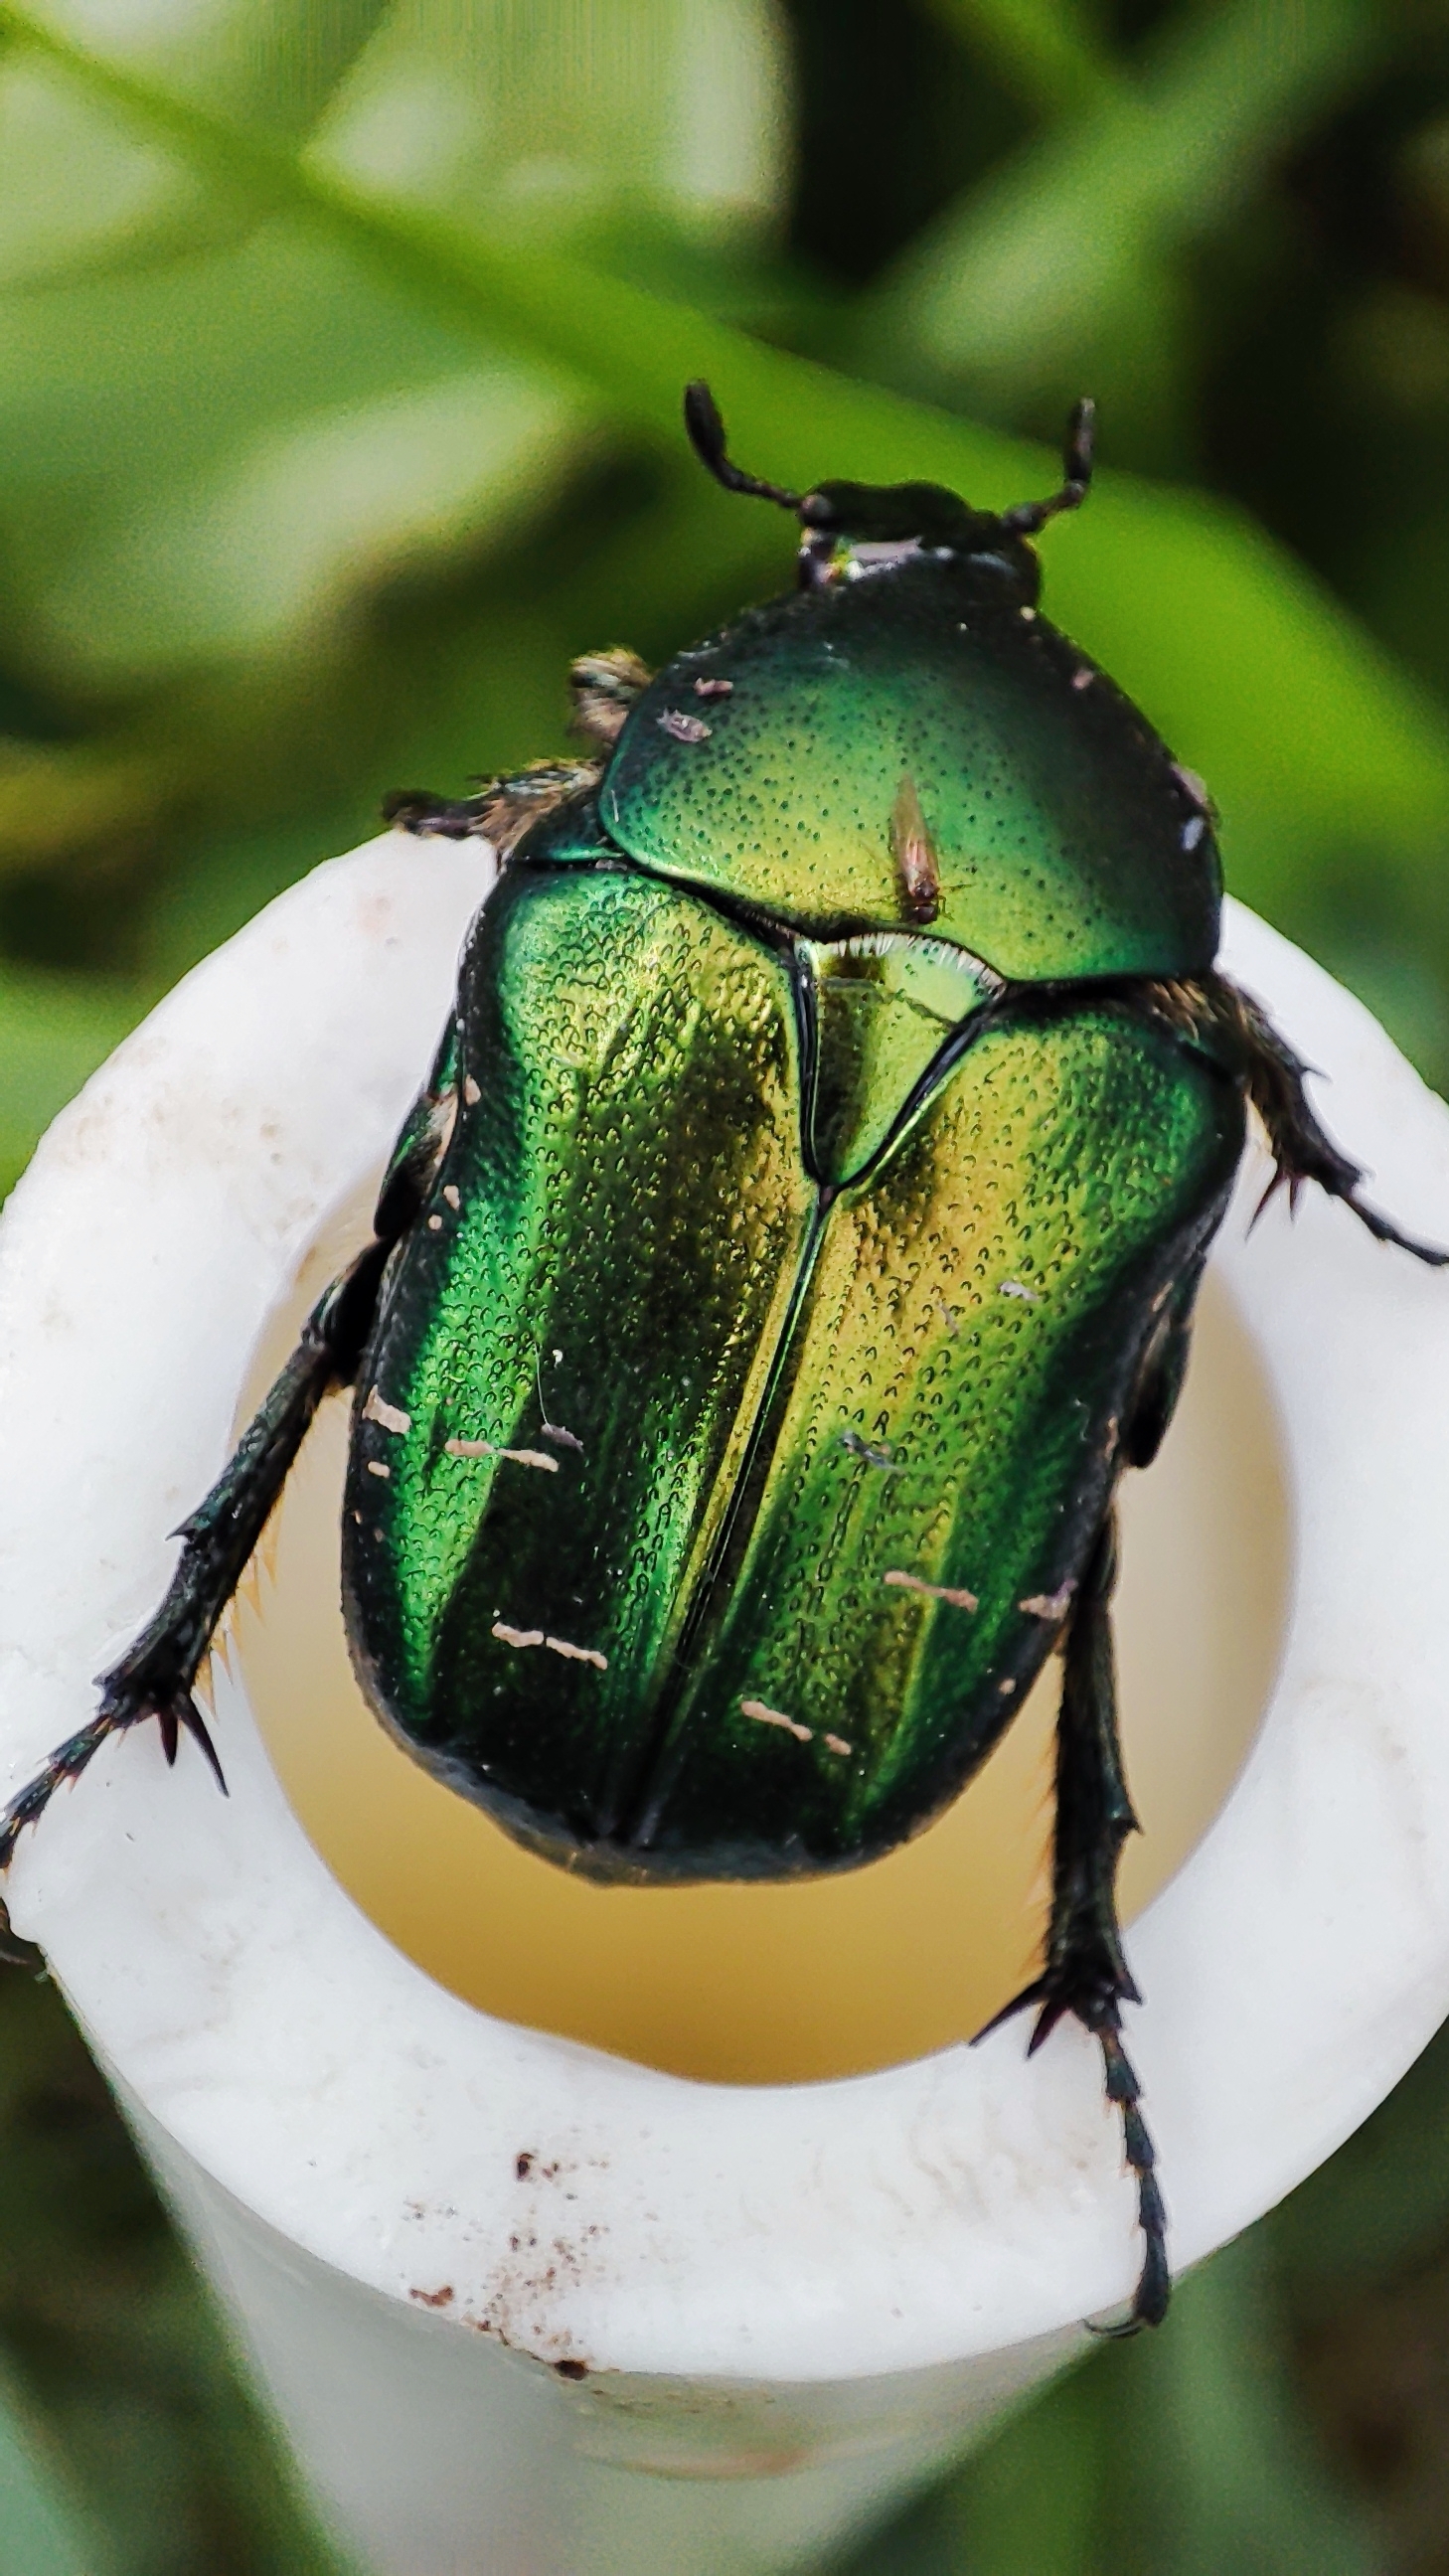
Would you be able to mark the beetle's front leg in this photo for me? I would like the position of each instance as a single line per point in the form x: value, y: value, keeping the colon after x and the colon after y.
x: 155, y: 1677
x: 1085, y: 1972
x: 502, y: 811
x: 604, y: 687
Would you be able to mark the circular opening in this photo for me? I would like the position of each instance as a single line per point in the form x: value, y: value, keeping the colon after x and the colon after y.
x: 828, y: 1977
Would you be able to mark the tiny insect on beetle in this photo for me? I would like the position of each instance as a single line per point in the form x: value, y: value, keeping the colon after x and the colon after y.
x: 841, y: 1064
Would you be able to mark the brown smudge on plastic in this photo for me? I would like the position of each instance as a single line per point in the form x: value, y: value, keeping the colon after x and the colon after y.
x: 442, y: 2298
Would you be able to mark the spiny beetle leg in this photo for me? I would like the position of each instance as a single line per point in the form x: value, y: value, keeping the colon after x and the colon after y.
x: 502, y: 811
x: 604, y: 687
x: 1086, y: 1973
x: 155, y: 1678
x: 1300, y: 1147
x: 429, y: 817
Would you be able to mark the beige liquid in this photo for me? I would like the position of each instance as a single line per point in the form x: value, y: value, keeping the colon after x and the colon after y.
x: 759, y: 1984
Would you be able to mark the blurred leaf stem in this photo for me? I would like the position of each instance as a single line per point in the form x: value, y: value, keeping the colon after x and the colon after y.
x: 1012, y: 288
x: 1046, y: 52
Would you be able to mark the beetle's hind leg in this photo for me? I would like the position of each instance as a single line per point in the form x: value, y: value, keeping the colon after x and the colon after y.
x: 1301, y: 1148
x: 1085, y: 1972
x: 156, y: 1677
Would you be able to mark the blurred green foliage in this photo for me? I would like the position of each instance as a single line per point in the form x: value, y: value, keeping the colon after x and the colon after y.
x: 339, y: 370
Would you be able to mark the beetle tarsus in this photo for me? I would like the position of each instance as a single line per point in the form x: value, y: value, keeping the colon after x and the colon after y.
x: 1085, y: 1973
x: 1154, y: 2281
x: 123, y: 1706
x: 434, y: 818
x: 65, y: 1764
x: 502, y: 811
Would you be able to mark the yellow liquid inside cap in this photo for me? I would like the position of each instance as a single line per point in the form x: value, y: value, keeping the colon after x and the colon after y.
x: 825, y: 1977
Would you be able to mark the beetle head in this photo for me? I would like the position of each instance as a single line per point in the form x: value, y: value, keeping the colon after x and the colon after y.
x: 852, y: 529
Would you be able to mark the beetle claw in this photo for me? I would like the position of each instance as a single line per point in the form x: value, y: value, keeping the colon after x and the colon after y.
x: 66, y: 1763
x: 1053, y: 1995
x: 197, y: 1728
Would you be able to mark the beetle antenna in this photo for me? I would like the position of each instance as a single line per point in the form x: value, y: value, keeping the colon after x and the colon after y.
x: 1028, y: 516
x: 707, y: 438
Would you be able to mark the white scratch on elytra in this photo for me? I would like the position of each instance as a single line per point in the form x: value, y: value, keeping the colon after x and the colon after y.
x: 956, y: 1594
x: 390, y: 1416
x: 488, y: 1449
x: 559, y: 1645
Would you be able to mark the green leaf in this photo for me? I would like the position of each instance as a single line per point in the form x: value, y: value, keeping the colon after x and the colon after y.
x: 54, y: 1031
x: 41, y: 2529
x: 1308, y: 736
x: 1183, y: 2453
x: 1035, y: 274
x: 1047, y: 52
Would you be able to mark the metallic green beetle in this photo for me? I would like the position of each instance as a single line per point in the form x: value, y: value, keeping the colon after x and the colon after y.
x: 838, y: 1107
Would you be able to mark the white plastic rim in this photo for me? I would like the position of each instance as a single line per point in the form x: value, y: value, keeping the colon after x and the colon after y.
x: 896, y: 2249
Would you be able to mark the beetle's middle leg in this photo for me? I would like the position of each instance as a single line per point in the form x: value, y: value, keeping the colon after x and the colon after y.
x: 1085, y: 1971
x: 155, y: 1678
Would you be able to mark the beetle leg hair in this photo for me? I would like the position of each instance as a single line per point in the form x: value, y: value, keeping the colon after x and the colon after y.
x: 155, y: 1677
x: 1300, y: 1147
x: 1085, y: 1972
x: 603, y: 687
x: 502, y: 811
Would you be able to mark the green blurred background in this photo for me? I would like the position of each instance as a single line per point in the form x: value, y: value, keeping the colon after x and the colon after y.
x: 340, y: 351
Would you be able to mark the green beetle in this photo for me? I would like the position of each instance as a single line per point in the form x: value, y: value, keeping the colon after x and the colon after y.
x: 840, y: 1077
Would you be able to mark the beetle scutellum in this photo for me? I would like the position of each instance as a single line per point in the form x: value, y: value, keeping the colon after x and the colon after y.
x: 840, y: 1071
